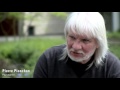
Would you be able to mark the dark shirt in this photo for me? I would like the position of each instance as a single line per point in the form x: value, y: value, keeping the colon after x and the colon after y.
x: 79, y: 68
x: 49, y: 66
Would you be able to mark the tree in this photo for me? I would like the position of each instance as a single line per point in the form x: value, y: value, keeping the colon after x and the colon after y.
x: 10, y: 15
x: 30, y: 16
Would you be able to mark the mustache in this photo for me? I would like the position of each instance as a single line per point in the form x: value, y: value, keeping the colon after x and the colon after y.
x: 81, y: 52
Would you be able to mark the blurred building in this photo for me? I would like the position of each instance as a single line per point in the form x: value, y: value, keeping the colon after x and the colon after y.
x: 45, y: 23
x: 49, y: 24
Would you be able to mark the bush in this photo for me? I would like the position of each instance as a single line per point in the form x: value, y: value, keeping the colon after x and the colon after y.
x: 25, y: 53
x: 20, y: 54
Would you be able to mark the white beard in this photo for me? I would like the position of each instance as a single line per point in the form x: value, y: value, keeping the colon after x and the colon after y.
x: 85, y: 58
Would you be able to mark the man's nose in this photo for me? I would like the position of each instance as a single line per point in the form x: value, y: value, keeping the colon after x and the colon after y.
x: 77, y: 45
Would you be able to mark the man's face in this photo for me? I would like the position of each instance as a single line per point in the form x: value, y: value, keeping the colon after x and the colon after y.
x: 80, y: 47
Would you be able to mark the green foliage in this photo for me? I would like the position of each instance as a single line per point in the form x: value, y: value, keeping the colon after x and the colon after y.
x: 114, y: 42
x: 31, y: 16
x: 16, y: 52
x: 20, y: 54
x: 17, y: 15
x: 113, y: 35
x: 60, y: 14
x: 5, y: 49
x: 4, y: 15
x: 27, y: 51
x: 115, y: 48
x: 3, y: 64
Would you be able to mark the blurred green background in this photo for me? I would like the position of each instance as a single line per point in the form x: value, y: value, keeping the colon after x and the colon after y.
x: 23, y: 54
x: 21, y: 50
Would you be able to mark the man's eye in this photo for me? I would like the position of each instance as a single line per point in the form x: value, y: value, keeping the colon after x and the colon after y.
x: 85, y: 40
x: 72, y: 37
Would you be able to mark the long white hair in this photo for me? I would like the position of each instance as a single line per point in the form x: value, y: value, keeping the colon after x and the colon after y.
x: 91, y: 24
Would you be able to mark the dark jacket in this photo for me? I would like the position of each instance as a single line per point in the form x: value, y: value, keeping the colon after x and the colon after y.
x: 49, y: 66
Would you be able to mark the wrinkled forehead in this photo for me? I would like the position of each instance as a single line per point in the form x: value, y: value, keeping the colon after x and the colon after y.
x: 73, y: 33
